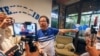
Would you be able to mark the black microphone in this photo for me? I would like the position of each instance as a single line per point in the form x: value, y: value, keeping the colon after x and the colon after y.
x: 93, y: 27
x: 93, y: 31
x: 95, y: 21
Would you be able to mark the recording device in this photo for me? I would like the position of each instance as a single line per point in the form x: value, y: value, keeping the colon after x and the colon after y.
x: 11, y: 49
x: 94, y: 31
x: 28, y: 30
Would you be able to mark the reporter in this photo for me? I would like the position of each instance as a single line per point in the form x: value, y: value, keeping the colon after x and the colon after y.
x: 5, y: 33
x: 2, y: 17
x: 95, y: 49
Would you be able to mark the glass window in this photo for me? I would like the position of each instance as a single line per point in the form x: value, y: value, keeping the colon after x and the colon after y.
x: 93, y: 18
x: 54, y: 20
x: 86, y: 19
x: 54, y: 14
x: 71, y: 21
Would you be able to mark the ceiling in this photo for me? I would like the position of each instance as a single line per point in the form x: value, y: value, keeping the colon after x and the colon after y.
x: 67, y: 2
x: 70, y: 2
x: 64, y: 2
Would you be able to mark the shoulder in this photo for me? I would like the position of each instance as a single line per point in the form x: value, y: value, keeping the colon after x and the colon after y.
x: 51, y: 28
x: 54, y: 30
x: 39, y: 30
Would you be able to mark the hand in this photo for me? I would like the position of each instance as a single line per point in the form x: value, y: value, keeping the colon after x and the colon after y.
x: 91, y: 49
x: 75, y: 30
x: 28, y: 53
x: 40, y: 50
x: 88, y: 41
x: 11, y: 54
x: 5, y: 20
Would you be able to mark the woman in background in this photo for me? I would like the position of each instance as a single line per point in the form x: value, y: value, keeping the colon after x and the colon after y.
x: 5, y: 34
x: 95, y: 49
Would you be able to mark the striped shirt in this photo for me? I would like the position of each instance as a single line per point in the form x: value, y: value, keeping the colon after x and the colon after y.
x: 46, y: 35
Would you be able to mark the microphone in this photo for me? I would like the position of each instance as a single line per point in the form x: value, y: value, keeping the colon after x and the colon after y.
x: 94, y: 31
x: 95, y: 21
x: 94, y: 27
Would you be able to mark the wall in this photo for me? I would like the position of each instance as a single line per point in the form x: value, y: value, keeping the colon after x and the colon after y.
x: 26, y: 10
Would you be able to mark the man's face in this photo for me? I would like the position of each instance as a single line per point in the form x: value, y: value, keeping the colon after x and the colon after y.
x: 43, y: 23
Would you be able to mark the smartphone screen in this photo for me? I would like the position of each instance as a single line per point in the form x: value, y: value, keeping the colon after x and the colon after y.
x: 23, y: 29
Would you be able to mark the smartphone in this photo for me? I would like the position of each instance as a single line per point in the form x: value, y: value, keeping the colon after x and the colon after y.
x: 25, y: 29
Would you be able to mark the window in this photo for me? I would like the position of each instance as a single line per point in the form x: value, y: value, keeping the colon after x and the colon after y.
x: 54, y: 14
x: 71, y: 21
x: 54, y: 17
x: 54, y: 20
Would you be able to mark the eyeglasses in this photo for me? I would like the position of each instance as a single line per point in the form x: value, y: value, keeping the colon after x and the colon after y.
x: 42, y: 21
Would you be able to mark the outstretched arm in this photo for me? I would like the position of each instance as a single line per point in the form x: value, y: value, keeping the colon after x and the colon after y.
x: 67, y: 30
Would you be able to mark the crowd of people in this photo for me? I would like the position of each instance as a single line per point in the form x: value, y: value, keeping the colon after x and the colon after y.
x: 46, y: 36
x: 44, y: 40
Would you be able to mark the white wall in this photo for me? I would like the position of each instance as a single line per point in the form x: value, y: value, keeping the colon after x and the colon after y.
x: 32, y: 7
x: 41, y: 7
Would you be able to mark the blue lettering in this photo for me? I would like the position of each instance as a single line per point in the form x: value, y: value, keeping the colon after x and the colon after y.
x: 1, y: 10
x: 33, y: 14
x: 7, y: 10
x: 37, y: 16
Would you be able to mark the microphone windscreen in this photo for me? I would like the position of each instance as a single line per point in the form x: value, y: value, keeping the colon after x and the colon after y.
x: 96, y: 20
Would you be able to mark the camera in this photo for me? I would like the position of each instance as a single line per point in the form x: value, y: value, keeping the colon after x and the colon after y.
x: 95, y: 28
x: 28, y: 30
x: 30, y: 41
x: 29, y: 36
